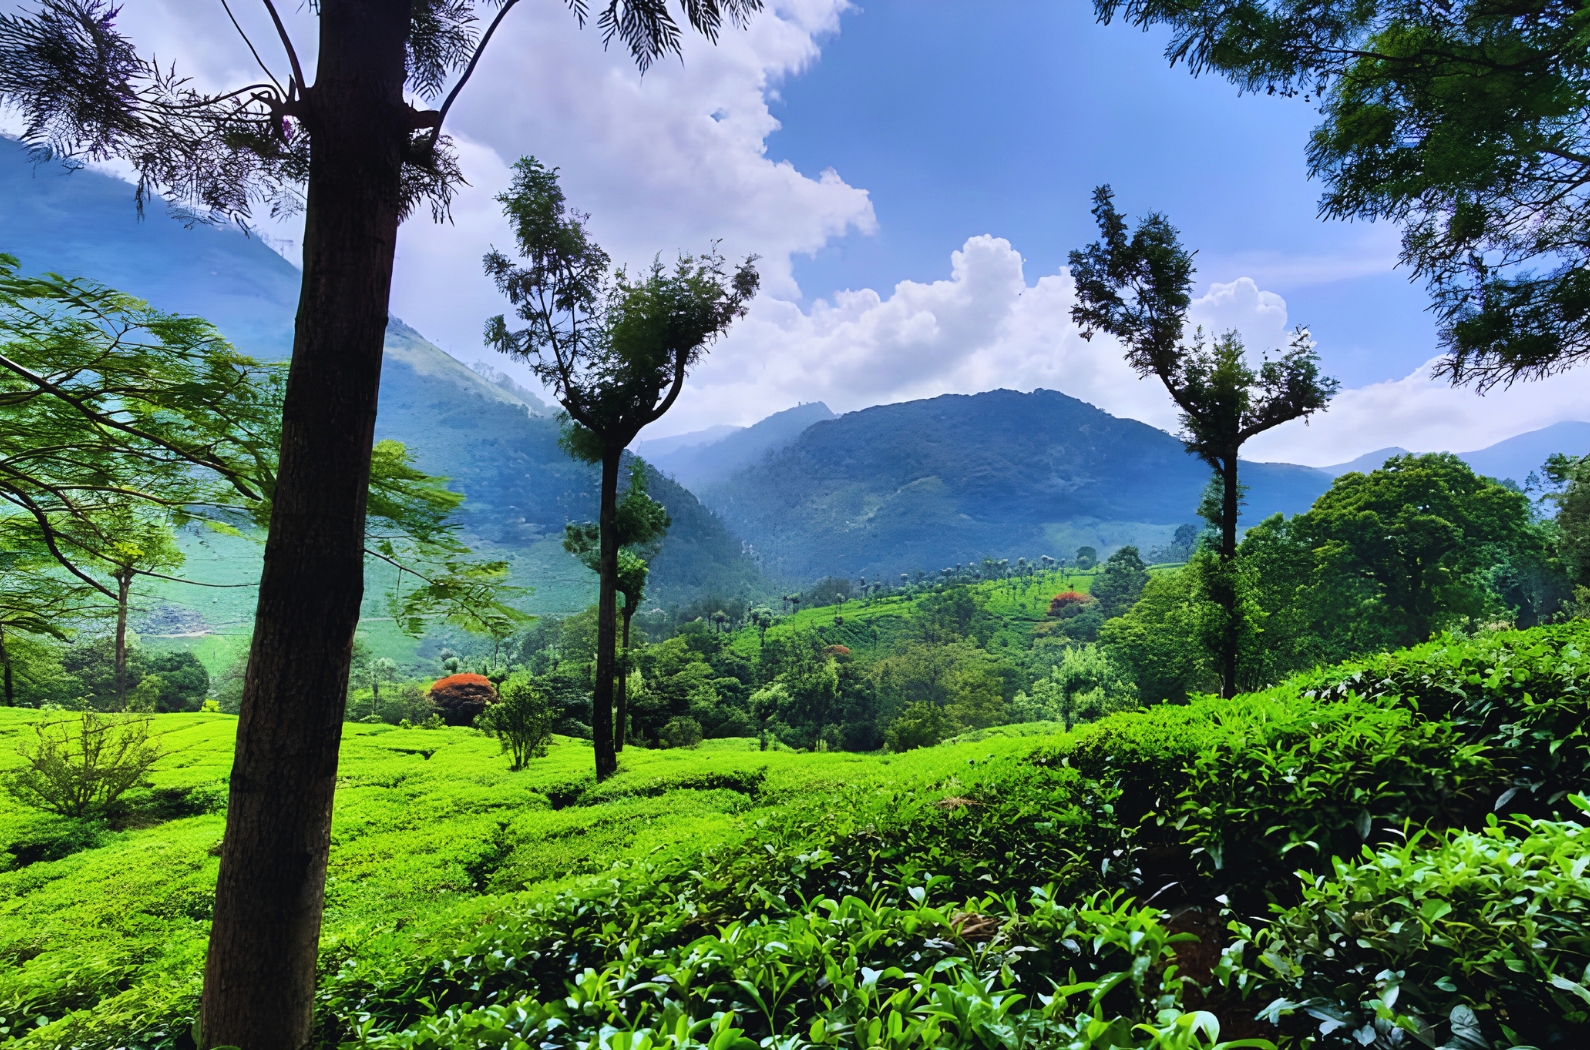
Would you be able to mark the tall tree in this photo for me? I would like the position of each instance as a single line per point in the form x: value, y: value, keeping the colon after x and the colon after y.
x: 642, y: 522
x: 36, y: 596
x: 1137, y: 286
x: 359, y: 157
x: 614, y: 349
x: 1467, y: 122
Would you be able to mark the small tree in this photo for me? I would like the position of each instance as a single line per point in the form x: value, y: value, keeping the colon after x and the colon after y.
x: 614, y: 349
x: 1137, y: 288
x: 521, y: 719
x: 1120, y: 582
x: 80, y: 766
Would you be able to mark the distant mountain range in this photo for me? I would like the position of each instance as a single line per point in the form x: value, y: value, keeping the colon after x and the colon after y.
x: 801, y: 494
x: 925, y: 484
x: 1512, y: 459
x: 494, y: 439
x: 706, y: 457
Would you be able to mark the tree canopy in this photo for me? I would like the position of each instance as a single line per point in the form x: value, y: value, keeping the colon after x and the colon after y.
x: 1469, y: 123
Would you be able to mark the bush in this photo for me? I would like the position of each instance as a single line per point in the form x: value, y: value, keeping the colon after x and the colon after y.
x: 521, y: 719
x: 1463, y: 940
x: 680, y: 732
x: 81, y: 766
x: 461, y: 698
x: 922, y: 724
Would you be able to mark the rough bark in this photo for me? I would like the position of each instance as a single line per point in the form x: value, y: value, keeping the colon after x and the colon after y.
x: 606, y: 621
x: 260, y: 972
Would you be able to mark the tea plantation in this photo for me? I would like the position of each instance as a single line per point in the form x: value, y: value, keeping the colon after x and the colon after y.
x: 1385, y: 853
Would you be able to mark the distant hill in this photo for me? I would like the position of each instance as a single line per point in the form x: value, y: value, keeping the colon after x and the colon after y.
x: 716, y: 455
x: 496, y: 440
x: 1511, y: 459
x: 931, y: 483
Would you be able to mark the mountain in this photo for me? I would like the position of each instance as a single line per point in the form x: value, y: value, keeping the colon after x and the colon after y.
x: 651, y: 448
x: 494, y: 439
x: 1367, y: 462
x: 1517, y: 456
x: 956, y: 478
x: 697, y: 464
x: 1510, y: 459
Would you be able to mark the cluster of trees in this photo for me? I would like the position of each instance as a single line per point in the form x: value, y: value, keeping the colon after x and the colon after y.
x: 1382, y: 560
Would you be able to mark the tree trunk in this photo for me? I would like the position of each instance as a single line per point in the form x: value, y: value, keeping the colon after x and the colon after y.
x: 5, y: 662
x: 606, y: 621
x: 259, y: 976
x: 1229, y: 505
x: 123, y: 587
x: 621, y: 712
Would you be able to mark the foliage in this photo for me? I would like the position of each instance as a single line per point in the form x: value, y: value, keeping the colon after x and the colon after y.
x: 1120, y: 584
x: 1460, y: 939
x: 158, y: 411
x: 1159, y: 641
x: 1466, y: 123
x: 681, y: 731
x: 81, y: 766
x: 1418, y: 532
x: 522, y: 719
x: 1138, y: 289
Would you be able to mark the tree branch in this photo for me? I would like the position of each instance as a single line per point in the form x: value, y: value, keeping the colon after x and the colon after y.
x: 480, y: 49
x: 287, y: 42
x: 228, y: 9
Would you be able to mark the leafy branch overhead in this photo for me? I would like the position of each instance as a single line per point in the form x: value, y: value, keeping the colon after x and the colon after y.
x: 1468, y: 123
x: 83, y: 91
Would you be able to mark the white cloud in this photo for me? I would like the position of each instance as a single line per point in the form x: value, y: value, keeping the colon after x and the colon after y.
x: 671, y: 161
x: 983, y: 327
x: 1423, y: 414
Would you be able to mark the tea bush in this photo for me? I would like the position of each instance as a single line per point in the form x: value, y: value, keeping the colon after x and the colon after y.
x: 1462, y: 939
x: 1319, y: 864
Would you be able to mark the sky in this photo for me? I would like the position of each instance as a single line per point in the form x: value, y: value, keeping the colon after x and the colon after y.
x: 912, y: 174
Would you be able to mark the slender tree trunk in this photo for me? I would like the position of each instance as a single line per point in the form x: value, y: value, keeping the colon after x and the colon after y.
x: 375, y: 696
x: 259, y: 976
x: 5, y: 661
x: 606, y: 621
x: 621, y: 712
x: 1229, y: 505
x: 123, y: 587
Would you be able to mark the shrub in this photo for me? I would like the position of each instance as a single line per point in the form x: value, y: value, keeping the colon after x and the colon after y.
x: 922, y: 724
x: 521, y: 719
x: 1295, y: 791
x: 81, y: 766
x: 460, y: 698
x: 1068, y: 603
x: 681, y: 731
x: 1469, y: 939
x: 1521, y: 693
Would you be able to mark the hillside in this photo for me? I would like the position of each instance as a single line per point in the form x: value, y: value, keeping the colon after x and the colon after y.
x: 957, y: 478
x: 711, y: 456
x: 496, y: 441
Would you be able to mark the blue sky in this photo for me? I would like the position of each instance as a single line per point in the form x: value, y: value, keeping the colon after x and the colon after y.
x: 1002, y: 116
x: 912, y: 175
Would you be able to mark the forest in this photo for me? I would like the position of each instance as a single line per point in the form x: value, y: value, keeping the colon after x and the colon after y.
x: 1320, y: 779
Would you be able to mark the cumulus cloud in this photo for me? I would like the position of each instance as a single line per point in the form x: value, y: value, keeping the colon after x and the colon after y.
x: 1423, y: 414
x: 674, y: 160
x: 983, y: 327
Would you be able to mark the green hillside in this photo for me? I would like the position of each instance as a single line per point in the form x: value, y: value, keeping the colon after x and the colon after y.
x: 1164, y: 878
x: 958, y: 478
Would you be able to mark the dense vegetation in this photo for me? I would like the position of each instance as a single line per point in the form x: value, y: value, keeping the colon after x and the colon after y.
x: 1389, y: 845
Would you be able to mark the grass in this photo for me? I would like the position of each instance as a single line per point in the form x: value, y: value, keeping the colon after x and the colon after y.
x: 429, y: 827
